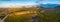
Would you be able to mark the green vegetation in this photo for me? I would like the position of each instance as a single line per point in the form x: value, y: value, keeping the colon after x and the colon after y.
x: 49, y: 15
x: 13, y: 17
x: 44, y: 15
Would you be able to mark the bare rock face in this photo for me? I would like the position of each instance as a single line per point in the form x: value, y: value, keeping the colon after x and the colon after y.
x: 35, y: 18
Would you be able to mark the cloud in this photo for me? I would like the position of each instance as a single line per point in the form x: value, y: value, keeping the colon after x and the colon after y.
x: 51, y: 2
x: 12, y: 4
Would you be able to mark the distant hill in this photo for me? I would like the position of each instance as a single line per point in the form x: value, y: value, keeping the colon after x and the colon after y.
x: 49, y: 5
x: 57, y: 7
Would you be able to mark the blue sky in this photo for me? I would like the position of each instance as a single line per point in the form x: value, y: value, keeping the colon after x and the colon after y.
x: 11, y: 3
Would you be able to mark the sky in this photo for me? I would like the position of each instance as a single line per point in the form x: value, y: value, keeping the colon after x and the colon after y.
x: 16, y: 3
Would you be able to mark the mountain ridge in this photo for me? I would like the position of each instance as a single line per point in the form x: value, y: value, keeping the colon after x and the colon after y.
x: 49, y: 5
